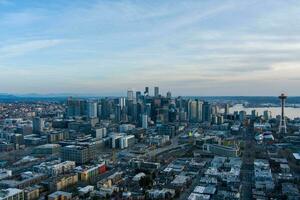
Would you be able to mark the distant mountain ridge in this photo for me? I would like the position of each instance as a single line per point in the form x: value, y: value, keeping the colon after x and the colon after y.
x: 5, y: 97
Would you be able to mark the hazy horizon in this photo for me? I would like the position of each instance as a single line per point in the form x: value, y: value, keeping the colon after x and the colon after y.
x: 124, y: 94
x: 192, y: 48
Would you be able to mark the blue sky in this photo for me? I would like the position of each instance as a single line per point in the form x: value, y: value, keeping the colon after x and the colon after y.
x: 207, y: 47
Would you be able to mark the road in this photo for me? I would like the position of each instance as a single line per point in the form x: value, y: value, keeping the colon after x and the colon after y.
x: 185, y: 195
x: 174, y: 144
x: 247, y: 172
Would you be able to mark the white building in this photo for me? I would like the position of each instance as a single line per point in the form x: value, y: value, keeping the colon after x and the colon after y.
x: 11, y: 193
x: 92, y: 109
x: 4, y: 173
x: 263, y: 175
x: 145, y: 121
x: 54, y: 168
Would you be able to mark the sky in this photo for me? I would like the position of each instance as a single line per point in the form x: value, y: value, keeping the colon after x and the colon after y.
x: 190, y: 47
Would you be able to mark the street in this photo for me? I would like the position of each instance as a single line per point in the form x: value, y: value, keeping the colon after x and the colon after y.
x: 247, y: 172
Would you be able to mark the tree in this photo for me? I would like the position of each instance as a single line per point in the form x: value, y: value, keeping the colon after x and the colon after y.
x: 146, y: 181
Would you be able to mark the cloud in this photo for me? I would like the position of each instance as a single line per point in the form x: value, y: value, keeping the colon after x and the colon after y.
x: 23, y: 18
x: 28, y: 47
x: 180, y: 44
x: 5, y: 2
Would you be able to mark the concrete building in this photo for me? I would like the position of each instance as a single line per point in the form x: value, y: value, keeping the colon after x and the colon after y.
x: 221, y: 150
x: 24, y: 180
x: 32, y: 193
x: 57, y: 135
x: 11, y: 194
x: 62, y: 182
x: 47, y: 149
x: 55, y: 168
x: 60, y: 195
x: 37, y: 125
x: 5, y: 173
x: 263, y: 176
x: 99, y: 133
x: 90, y: 173
x: 79, y: 154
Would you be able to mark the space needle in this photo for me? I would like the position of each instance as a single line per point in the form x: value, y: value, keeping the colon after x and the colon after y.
x: 282, y: 125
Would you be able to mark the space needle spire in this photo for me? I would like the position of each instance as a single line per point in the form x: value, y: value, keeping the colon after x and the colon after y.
x: 282, y: 125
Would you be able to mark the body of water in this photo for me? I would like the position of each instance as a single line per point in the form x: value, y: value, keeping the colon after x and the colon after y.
x: 290, y: 112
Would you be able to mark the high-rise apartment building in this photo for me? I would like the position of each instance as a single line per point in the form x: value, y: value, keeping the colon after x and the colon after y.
x: 195, y: 111
x: 207, y: 115
x: 76, y: 107
x: 130, y: 95
x: 37, y: 125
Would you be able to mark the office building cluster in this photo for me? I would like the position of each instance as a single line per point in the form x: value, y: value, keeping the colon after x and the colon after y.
x: 146, y: 145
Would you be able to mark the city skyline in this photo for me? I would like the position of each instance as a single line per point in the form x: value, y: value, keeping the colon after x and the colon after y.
x: 207, y: 48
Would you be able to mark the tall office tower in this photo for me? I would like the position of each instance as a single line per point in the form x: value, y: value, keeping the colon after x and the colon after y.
x: 163, y: 114
x: 118, y: 113
x: 122, y: 102
x: 92, y: 109
x: 146, y: 93
x: 145, y: 121
x: 254, y: 114
x: 130, y: 95
x: 220, y: 119
x: 192, y: 111
x: 226, y: 109
x: 148, y: 109
x: 75, y: 107
x: 172, y: 113
x: 282, y: 124
x: 135, y: 112
x: 199, y: 111
x: 195, y: 110
x: 107, y: 108
x: 132, y: 111
x: 37, y: 125
x: 206, y: 116
x: 182, y: 115
x: 242, y: 115
x: 214, y: 110
x: 138, y: 95
x: 156, y: 91
x: 267, y: 115
x: 169, y: 95
x: 99, y: 111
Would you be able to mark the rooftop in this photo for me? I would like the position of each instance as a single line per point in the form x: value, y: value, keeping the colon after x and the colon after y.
x: 4, y: 193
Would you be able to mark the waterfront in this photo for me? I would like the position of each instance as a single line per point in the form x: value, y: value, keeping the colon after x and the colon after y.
x: 289, y: 111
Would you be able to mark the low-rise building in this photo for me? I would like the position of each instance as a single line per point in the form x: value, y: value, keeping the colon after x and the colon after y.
x: 11, y: 194
x: 61, y: 182
x: 221, y: 150
x: 90, y: 173
x: 5, y: 173
x: 60, y: 195
x: 263, y: 176
x: 46, y: 149
x: 55, y: 168
x: 32, y: 193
